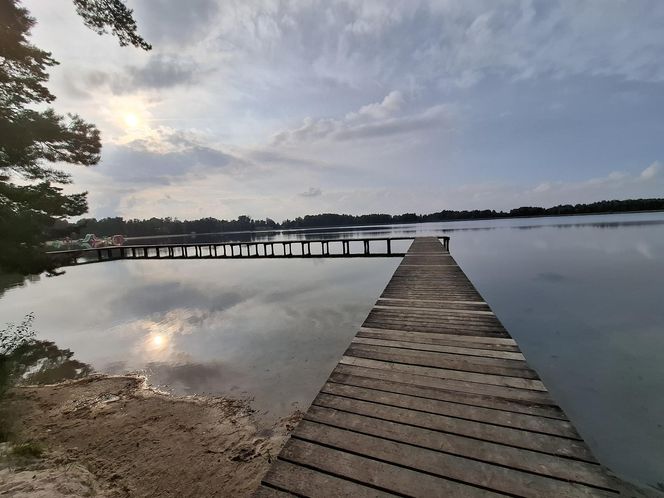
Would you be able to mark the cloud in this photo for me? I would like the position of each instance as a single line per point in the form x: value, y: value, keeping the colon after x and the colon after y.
x: 373, y: 120
x: 167, y: 22
x: 431, y: 118
x: 164, y: 155
x: 160, y: 72
x: 392, y: 103
x: 445, y: 43
x: 651, y: 171
x: 311, y: 192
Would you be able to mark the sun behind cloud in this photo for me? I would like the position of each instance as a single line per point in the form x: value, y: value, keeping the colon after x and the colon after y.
x: 131, y: 120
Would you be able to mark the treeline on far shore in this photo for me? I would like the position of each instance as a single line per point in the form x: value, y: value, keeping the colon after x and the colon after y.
x: 173, y: 226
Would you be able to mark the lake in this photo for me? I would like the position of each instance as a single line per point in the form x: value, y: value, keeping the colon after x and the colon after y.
x: 583, y: 296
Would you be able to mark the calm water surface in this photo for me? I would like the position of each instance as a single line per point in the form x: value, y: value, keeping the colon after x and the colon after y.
x: 583, y: 296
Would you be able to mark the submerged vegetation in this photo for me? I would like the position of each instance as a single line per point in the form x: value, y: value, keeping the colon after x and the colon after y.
x: 173, y: 226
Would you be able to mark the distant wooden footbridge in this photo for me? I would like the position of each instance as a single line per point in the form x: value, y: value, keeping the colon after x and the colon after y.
x: 305, y: 248
x: 432, y: 398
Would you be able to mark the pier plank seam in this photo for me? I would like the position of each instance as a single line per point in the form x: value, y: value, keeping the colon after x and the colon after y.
x: 434, y: 398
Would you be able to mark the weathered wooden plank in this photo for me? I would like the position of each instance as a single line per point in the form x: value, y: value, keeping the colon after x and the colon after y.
x: 489, y: 324
x: 303, y: 481
x: 473, y: 364
x: 265, y: 492
x: 444, y: 373
x: 544, y: 443
x: 384, y: 476
x: 445, y: 311
x: 445, y: 337
x: 444, y: 294
x: 436, y: 316
x: 438, y: 301
x: 434, y: 328
x: 511, y: 393
x: 531, y: 461
x: 433, y: 339
x: 410, y: 281
x: 440, y: 316
x: 487, y: 353
x: 467, y: 356
x: 451, y: 409
x: 466, y: 470
x: 446, y: 393
x: 431, y: 328
x: 462, y: 316
x: 446, y: 290
x: 435, y: 304
x: 415, y: 295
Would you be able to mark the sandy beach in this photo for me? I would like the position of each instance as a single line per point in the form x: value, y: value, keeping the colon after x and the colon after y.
x: 113, y: 436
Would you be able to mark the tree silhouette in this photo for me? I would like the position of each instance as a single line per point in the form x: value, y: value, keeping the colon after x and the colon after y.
x: 104, y: 15
x: 32, y: 135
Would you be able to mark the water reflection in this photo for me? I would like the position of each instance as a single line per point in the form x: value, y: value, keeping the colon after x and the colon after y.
x: 582, y: 296
x: 267, y: 329
x: 43, y: 362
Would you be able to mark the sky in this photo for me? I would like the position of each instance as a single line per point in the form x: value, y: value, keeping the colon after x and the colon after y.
x: 281, y: 108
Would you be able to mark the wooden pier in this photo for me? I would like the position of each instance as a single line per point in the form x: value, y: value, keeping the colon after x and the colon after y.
x: 292, y: 248
x: 434, y: 398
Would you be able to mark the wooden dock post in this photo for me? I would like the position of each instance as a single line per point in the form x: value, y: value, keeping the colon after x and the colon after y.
x: 434, y: 398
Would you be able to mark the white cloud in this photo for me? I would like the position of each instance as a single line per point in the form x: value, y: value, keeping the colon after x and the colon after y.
x: 392, y: 103
x: 651, y: 171
x: 371, y: 121
x: 452, y: 42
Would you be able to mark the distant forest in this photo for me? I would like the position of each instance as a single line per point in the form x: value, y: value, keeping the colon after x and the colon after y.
x: 173, y: 226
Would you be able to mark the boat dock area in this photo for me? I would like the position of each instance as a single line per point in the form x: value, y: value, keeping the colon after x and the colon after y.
x: 434, y: 398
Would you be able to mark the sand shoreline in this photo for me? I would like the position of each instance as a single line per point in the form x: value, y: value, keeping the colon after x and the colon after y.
x: 115, y: 436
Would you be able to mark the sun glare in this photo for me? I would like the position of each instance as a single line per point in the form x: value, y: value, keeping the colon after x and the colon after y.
x: 131, y: 120
x: 158, y: 340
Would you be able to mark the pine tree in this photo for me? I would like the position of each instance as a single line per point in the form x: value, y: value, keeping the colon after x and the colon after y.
x: 32, y: 134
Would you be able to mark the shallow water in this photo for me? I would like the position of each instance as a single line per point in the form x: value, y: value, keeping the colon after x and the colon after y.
x: 584, y: 297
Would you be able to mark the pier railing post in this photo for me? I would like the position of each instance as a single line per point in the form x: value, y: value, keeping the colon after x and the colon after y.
x: 446, y: 243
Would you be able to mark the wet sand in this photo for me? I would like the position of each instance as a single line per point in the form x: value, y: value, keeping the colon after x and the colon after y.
x: 115, y: 437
